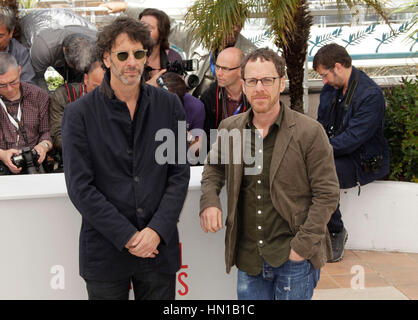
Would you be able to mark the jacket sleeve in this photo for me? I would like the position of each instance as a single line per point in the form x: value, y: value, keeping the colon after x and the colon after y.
x: 363, y: 125
x: 165, y: 219
x: 55, y: 115
x: 213, y: 176
x: 325, y: 194
x: 94, y: 207
x: 28, y: 74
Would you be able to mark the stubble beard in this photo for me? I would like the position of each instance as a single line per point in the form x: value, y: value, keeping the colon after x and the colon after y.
x: 122, y: 78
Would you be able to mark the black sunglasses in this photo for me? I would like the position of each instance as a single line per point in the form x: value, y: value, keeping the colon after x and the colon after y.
x: 123, y: 55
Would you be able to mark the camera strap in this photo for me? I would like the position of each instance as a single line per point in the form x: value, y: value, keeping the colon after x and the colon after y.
x: 16, y: 121
x: 338, y: 124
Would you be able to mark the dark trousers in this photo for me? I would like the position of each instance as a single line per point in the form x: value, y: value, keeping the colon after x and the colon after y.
x: 346, y: 172
x: 146, y: 286
x: 335, y: 224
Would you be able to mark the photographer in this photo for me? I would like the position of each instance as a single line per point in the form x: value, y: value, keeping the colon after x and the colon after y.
x: 194, y: 108
x: 67, y: 50
x: 24, y: 120
x: 158, y: 23
x: 352, y: 111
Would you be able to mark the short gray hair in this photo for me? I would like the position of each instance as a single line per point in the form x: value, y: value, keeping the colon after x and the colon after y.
x: 8, y: 18
x: 79, y: 50
x: 7, y: 61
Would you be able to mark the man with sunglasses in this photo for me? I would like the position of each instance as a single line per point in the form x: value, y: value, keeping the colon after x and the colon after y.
x: 24, y: 116
x: 277, y: 214
x: 224, y: 97
x: 129, y: 200
x: 352, y: 111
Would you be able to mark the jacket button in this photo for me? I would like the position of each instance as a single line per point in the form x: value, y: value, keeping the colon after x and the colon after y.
x: 129, y: 151
x: 136, y: 179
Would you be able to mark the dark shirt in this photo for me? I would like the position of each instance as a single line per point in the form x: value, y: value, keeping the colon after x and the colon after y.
x: 234, y: 106
x: 115, y: 182
x: 263, y: 233
x: 34, y: 103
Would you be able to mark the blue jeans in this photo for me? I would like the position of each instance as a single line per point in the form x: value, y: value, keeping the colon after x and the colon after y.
x: 291, y: 281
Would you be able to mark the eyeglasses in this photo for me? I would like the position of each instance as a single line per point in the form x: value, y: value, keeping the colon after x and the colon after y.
x: 13, y: 83
x: 123, y: 55
x: 267, y: 81
x: 325, y: 74
x: 225, y: 69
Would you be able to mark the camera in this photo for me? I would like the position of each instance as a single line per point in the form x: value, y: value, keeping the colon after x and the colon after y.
x: 4, y: 170
x: 330, y: 132
x: 28, y: 160
x: 374, y: 164
x: 181, y: 68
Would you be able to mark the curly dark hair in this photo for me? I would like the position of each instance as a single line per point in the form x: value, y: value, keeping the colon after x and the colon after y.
x: 135, y: 29
x: 163, y: 25
x: 329, y: 55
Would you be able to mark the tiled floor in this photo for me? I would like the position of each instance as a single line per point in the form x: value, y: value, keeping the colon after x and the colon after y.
x: 370, y: 275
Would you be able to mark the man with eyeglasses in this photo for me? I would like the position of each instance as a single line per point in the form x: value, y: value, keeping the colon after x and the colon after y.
x: 224, y: 97
x: 352, y: 111
x: 129, y: 202
x: 277, y: 215
x: 24, y: 116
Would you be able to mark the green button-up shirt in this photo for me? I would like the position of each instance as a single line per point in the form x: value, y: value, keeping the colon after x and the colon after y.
x: 263, y: 233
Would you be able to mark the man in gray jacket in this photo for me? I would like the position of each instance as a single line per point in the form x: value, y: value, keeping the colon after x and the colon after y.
x: 67, y: 50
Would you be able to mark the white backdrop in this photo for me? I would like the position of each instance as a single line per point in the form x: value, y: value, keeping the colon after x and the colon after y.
x: 39, y: 230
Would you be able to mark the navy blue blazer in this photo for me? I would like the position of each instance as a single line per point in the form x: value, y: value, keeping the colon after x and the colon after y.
x: 360, y: 137
x: 115, y: 182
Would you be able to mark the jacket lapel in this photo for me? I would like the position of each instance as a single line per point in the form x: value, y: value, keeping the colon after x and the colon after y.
x: 282, y: 142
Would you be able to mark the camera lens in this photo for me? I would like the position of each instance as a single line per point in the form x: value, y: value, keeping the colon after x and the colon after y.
x: 191, y: 81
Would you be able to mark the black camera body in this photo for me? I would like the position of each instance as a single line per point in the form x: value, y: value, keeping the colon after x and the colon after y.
x: 373, y: 164
x: 330, y: 132
x: 28, y: 160
x: 182, y: 67
x: 4, y: 170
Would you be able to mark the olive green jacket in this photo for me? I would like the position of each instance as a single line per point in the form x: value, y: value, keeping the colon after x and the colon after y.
x: 303, y: 184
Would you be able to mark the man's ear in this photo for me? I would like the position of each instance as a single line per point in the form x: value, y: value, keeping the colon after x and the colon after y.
x: 282, y: 84
x: 106, y: 59
x: 20, y: 71
x: 243, y: 86
x: 85, y: 78
x: 338, y: 66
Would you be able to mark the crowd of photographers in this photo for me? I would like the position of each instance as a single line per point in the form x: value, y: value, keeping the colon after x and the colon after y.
x: 31, y: 115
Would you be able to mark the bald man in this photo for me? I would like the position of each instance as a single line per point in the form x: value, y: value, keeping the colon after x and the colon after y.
x: 225, y: 97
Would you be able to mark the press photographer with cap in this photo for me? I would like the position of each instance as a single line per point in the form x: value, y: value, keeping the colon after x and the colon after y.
x: 24, y: 117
